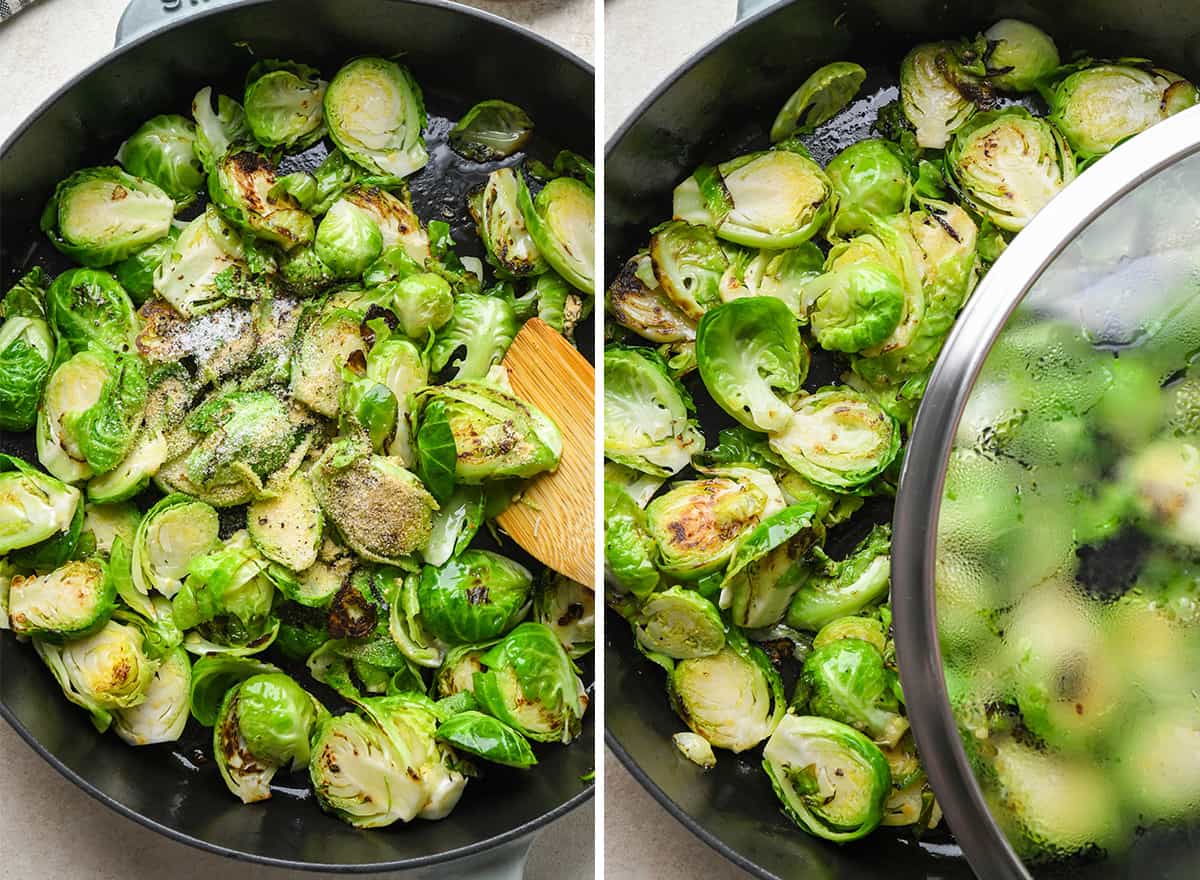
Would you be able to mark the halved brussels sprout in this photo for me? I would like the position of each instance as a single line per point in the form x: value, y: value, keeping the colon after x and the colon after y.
x: 287, y: 528
x: 217, y: 130
x: 397, y: 364
x: 327, y: 340
x: 1007, y: 164
x: 163, y: 715
x: 936, y: 93
x: 734, y: 698
x: 371, y: 773
x: 283, y: 104
x: 398, y: 223
x: 832, y: 781
x: 838, y: 439
x: 688, y: 265
x: 347, y: 240
x: 382, y: 511
x: 679, y: 623
x: 845, y: 587
x: 90, y: 414
x: 163, y: 151
x: 530, y: 684
x: 779, y: 198
x: 265, y: 723
x: 206, y: 251
x: 856, y: 307
x: 768, y: 566
x: 646, y: 423
x: 496, y: 435
x: 502, y: 225
x: 848, y: 682
x: 213, y: 675
x: 70, y: 602
x: 375, y: 113
x: 136, y: 273
x: 133, y: 473
x: 34, y: 507
x: 227, y: 581
x: 482, y: 325
x: 456, y: 674
x: 870, y: 179
x: 488, y: 737
x: 562, y: 221
x: 173, y: 532
x: 89, y: 306
x: 100, y: 216
x: 27, y: 351
x: 1098, y: 107
x: 241, y: 186
x: 491, y: 131
x: 630, y: 551
x: 820, y: 97
x: 422, y: 302
x: 101, y: 672
x: 636, y: 302
x: 475, y: 597
x: 1016, y: 55
x: 237, y: 446
x: 697, y: 523
x: 569, y: 609
x: 748, y: 350
x: 781, y: 274
x: 105, y: 524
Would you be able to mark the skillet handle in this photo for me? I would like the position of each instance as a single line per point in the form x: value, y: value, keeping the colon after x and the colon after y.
x: 747, y: 8
x: 142, y: 16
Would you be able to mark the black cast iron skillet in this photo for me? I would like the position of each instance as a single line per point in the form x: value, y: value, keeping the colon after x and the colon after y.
x: 459, y: 56
x: 718, y: 105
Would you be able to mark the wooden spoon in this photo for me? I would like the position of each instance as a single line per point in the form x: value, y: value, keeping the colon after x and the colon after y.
x: 554, y: 518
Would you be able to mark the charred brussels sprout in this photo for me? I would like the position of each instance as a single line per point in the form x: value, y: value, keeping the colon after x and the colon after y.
x: 679, y: 623
x: 382, y: 510
x: 848, y: 682
x: 496, y: 435
x: 375, y: 113
x: 490, y: 131
x: 34, y: 507
x: 163, y: 152
x: 832, y: 781
x: 688, y: 265
x: 162, y: 716
x: 502, y: 226
x: 855, y: 307
x: 749, y: 350
x: 838, y: 439
x: 482, y: 327
x: 173, y: 532
x: 283, y: 104
x: 646, y: 414
x: 733, y: 698
x: 774, y: 199
x: 27, y: 352
x: 637, y: 302
x: 1016, y: 55
x: 568, y: 608
x: 870, y: 179
x: 397, y: 221
x: 190, y: 275
x: 1098, y: 107
x: 530, y: 684
x: 1007, y: 164
x: 844, y: 587
x: 241, y: 185
x: 474, y: 597
x: 100, y: 216
x: 561, y: 221
x: 90, y: 306
x: 769, y: 566
x: 70, y: 602
x: 697, y: 523
x: 347, y: 240
x: 936, y: 93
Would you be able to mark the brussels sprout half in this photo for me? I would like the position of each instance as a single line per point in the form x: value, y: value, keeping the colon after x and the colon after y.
x: 832, y: 781
x: 283, y: 104
x: 173, y: 532
x: 688, y: 266
x: 241, y: 186
x: 1017, y: 55
x: 100, y: 216
x: 328, y: 338
x: 848, y: 682
x: 104, y: 525
x: 838, y: 439
x: 637, y: 302
x: 569, y: 609
x: 484, y: 326
x: 768, y: 566
x: 779, y: 198
x: 347, y: 241
x: 375, y: 112
x: 397, y: 221
x: 936, y: 93
x: 748, y: 350
x: 34, y: 507
x: 70, y: 602
x: 217, y: 130
x: 475, y: 597
x: 133, y: 473
x: 189, y: 276
x: 679, y: 623
x: 491, y: 131
x: 163, y: 715
x: 845, y: 587
x: 27, y: 350
x: 646, y: 414
x: 561, y: 221
x: 287, y: 528
x: 856, y: 307
x: 502, y: 225
x: 88, y: 306
x: 781, y: 274
x: 870, y: 179
x: 163, y: 151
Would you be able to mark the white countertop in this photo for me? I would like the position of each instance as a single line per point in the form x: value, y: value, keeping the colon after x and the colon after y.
x: 644, y: 41
x: 49, y: 829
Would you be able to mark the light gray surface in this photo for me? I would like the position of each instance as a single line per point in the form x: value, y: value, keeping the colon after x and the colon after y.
x: 645, y: 40
x: 49, y: 829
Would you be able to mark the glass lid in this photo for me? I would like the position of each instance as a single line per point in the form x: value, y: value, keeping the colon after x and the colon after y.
x: 1046, y: 565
